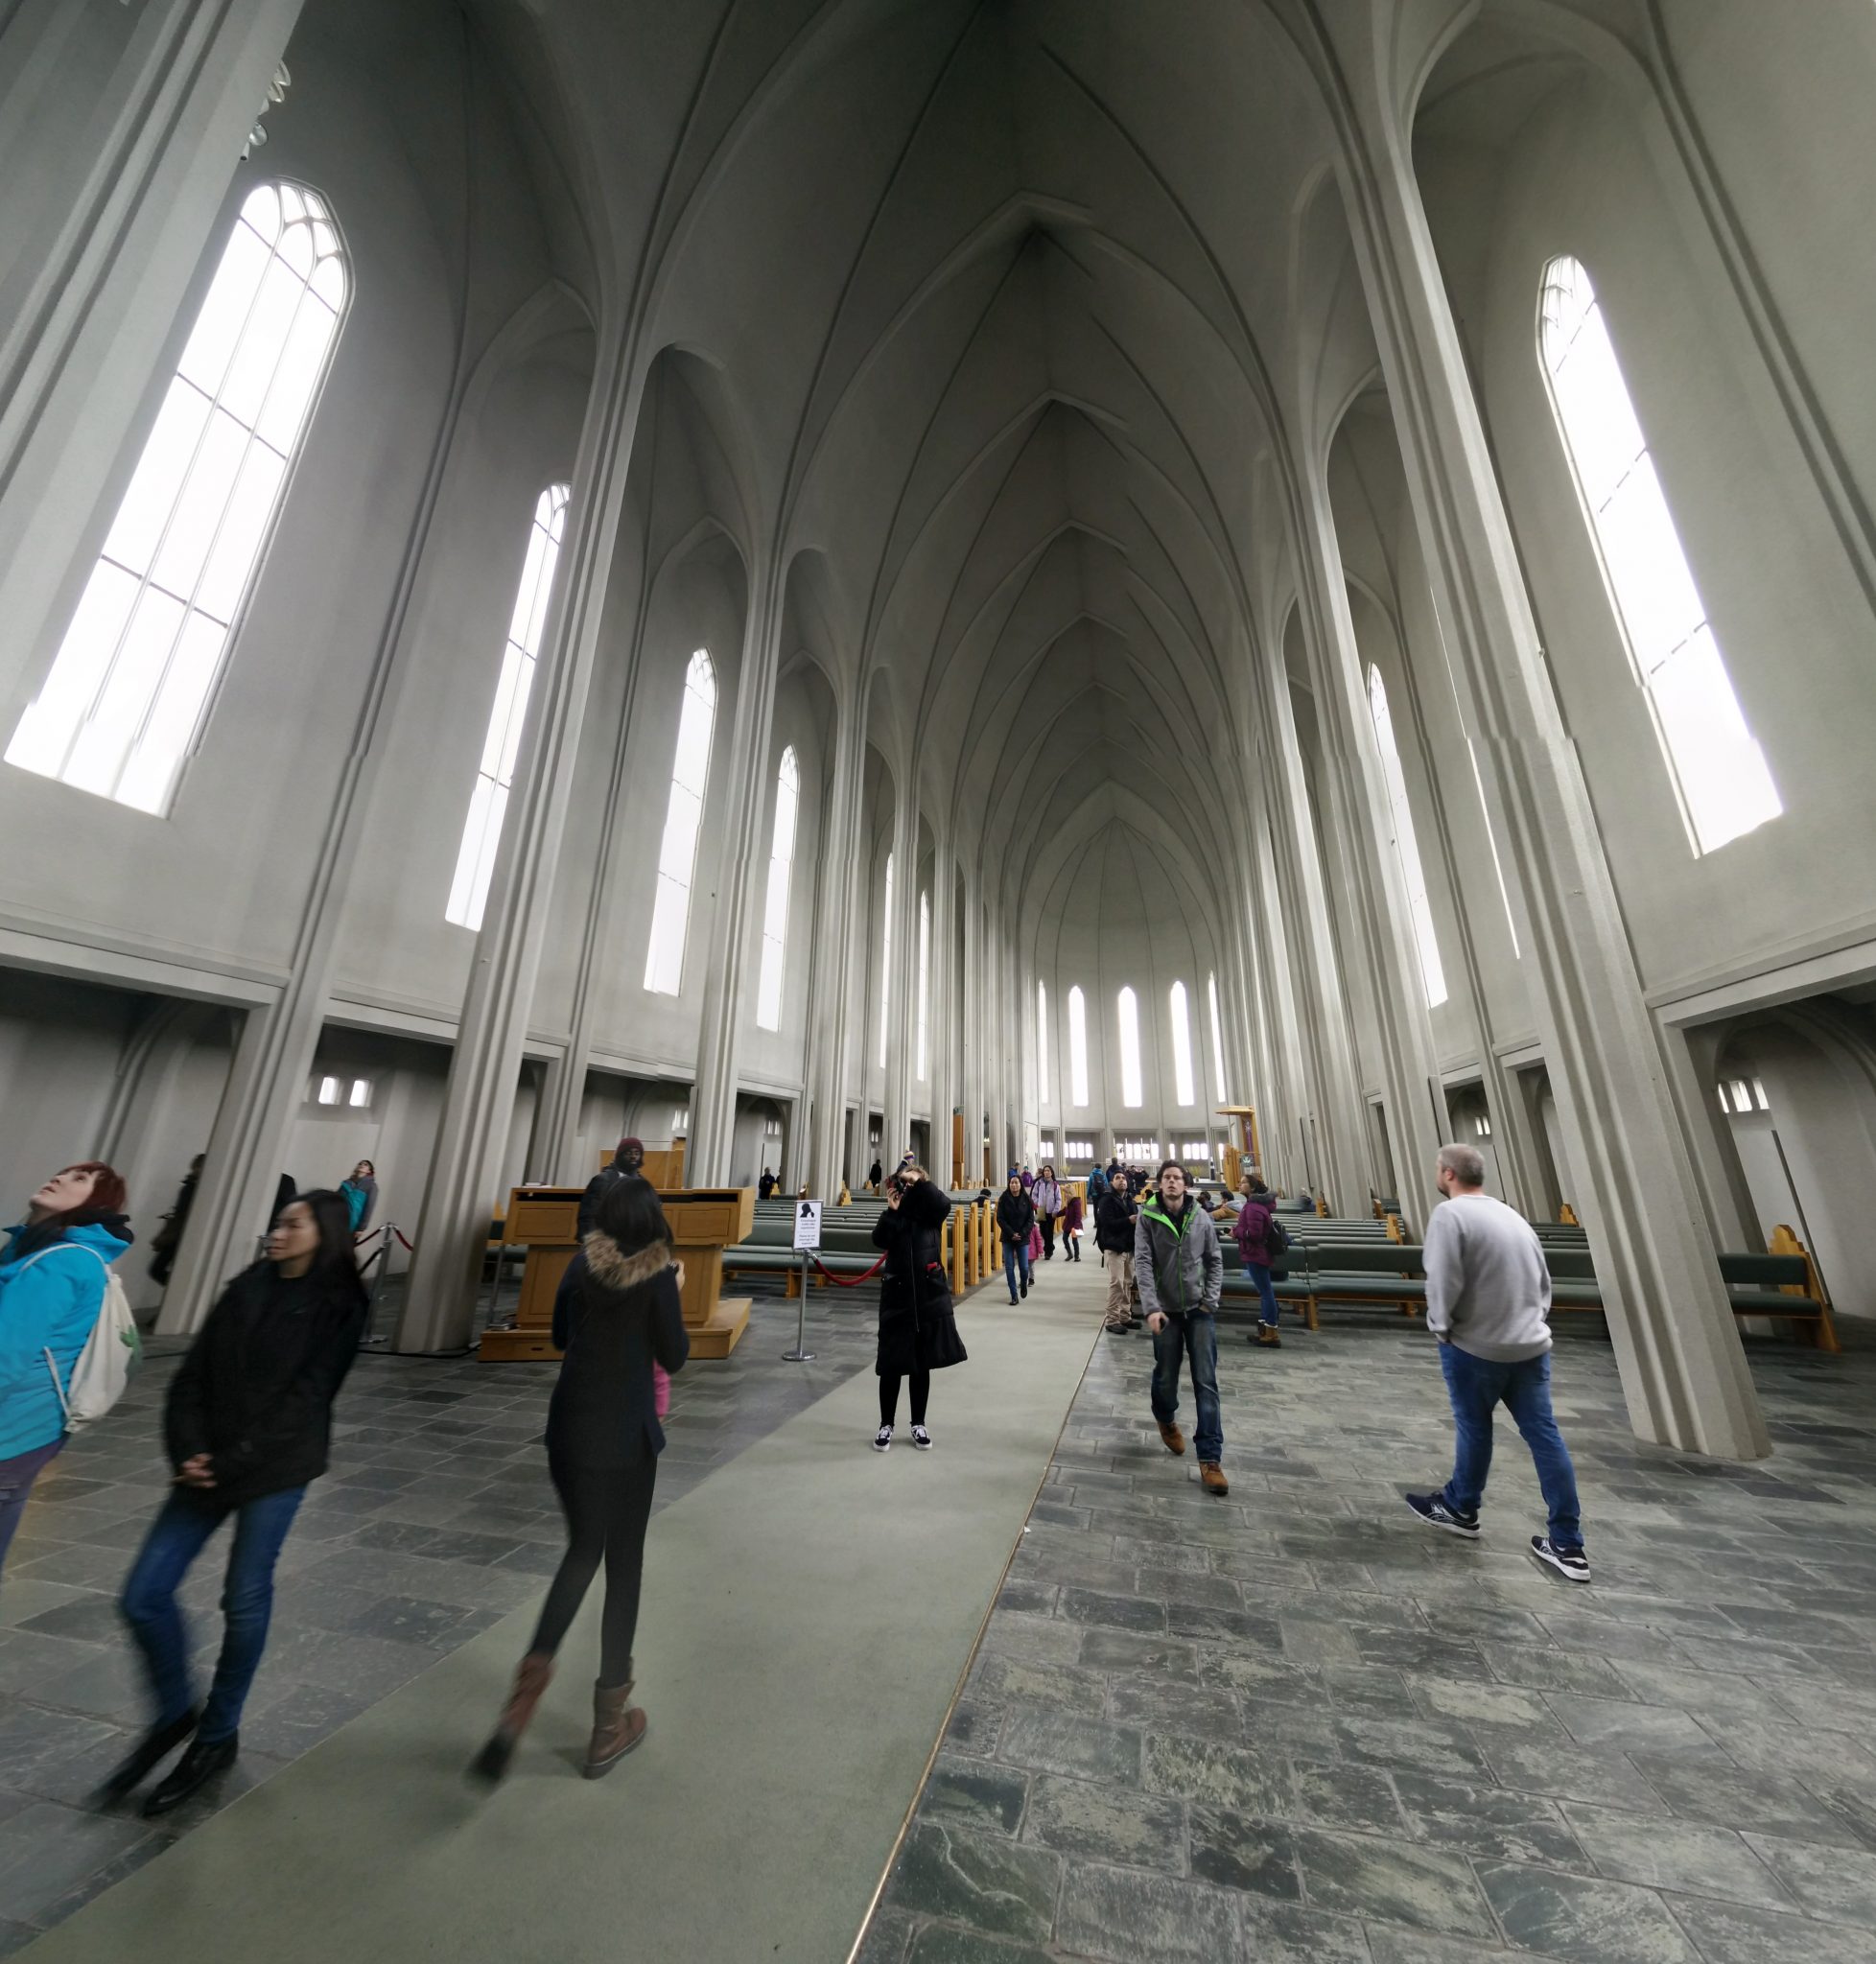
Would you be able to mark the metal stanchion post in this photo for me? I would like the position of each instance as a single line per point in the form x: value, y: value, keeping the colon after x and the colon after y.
x: 801, y: 1354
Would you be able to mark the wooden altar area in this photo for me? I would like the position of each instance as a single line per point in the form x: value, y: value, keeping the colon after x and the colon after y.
x: 703, y: 1221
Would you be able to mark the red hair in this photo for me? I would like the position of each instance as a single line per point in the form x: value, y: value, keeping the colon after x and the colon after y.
x: 107, y: 1191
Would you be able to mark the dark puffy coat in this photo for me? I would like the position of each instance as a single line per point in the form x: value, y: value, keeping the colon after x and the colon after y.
x: 1114, y: 1223
x: 614, y: 1315
x: 917, y: 1329
x: 1015, y: 1215
x: 255, y: 1390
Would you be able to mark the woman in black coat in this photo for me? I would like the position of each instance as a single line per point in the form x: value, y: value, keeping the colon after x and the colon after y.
x: 918, y: 1333
x: 616, y: 1314
x: 247, y: 1427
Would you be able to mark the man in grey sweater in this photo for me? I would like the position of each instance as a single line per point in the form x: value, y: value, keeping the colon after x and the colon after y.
x: 1487, y: 1301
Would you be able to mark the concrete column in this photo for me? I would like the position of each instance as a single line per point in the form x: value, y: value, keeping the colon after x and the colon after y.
x: 830, y: 1010
x: 1684, y: 1370
x: 974, y: 1078
x: 901, y: 998
x: 941, y: 1084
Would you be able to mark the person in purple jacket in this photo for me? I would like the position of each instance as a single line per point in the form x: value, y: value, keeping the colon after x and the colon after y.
x: 1252, y: 1230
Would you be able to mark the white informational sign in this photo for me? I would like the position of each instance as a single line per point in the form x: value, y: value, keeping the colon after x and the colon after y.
x: 808, y: 1225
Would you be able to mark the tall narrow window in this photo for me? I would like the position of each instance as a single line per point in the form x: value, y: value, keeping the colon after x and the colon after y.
x: 1041, y: 1042
x: 885, y: 963
x: 124, y: 699
x: 1184, y: 1090
x: 1217, y: 1037
x: 1718, y: 768
x: 1131, y: 1092
x: 1077, y: 1048
x: 1405, y: 843
x: 924, y: 976
x: 677, y: 854
x: 489, y: 801
x: 775, y: 909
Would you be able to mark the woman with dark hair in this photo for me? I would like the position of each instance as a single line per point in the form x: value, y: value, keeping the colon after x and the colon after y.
x: 1047, y: 1193
x: 247, y: 1429
x: 1252, y: 1232
x: 53, y: 1273
x: 918, y: 1333
x: 617, y: 1316
x: 360, y: 1193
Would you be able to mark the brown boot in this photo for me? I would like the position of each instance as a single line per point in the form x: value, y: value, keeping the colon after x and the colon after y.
x: 532, y: 1678
x: 1268, y: 1338
x: 1213, y: 1474
x: 1175, y: 1439
x: 618, y: 1726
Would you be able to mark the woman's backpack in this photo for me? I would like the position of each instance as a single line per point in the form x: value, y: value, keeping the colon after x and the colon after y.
x: 111, y: 1352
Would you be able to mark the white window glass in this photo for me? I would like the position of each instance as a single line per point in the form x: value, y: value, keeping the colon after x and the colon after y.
x: 330, y: 1090
x: 925, y: 976
x: 1405, y: 844
x: 885, y: 961
x: 1718, y: 770
x: 123, y: 701
x: 1077, y: 1048
x: 495, y: 774
x: 1759, y: 1097
x: 361, y: 1093
x: 1504, y: 892
x: 1184, y: 1090
x: 1041, y: 1042
x: 1131, y: 1090
x: 775, y: 909
x: 1047, y: 1149
x: 677, y: 854
x: 1217, y: 1037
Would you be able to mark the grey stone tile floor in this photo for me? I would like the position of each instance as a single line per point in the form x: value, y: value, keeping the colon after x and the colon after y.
x: 1295, y: 1724
x: 437, y: 1519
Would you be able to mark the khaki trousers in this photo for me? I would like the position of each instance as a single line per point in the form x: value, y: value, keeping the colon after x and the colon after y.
x: 1120, y: 1288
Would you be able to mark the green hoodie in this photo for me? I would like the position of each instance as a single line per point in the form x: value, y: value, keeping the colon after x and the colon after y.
x: 1178, y: 1265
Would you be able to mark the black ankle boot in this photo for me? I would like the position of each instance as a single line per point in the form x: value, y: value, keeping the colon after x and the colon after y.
x: 149, y: 1751
x: 200, y: 1764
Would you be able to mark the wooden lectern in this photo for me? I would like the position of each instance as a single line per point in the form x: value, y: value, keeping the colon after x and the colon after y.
x: 703, y: 1222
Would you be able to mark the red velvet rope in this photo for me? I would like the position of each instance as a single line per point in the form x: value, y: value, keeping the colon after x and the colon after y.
x: 399, y: 1233
x: 847, y: 1281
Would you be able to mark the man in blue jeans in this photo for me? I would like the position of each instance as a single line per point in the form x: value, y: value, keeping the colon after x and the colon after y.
x: 1487, y: 1301
x: 1179, y: 1270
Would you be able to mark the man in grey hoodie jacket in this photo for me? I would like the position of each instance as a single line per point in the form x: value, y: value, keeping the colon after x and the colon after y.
x: 1487, y: 1301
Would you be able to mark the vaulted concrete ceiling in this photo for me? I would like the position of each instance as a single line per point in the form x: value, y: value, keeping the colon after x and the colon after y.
x: 998, y: 292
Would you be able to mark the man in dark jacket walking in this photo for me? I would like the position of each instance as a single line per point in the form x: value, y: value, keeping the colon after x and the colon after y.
x: 1181, y: 1272
x: 1114, y: 1216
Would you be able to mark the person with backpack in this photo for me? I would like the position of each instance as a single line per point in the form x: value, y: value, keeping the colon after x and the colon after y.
x: 54, y: 1274
x: 248, y: 1428
x: 1115, y: 1218
x: 1261, y: 1244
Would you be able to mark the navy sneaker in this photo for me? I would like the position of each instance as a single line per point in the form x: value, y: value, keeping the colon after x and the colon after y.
x: 1435, y: 1513
x: 1571, y: 1563
x: 921, y: 1439
x: 883, y: 1439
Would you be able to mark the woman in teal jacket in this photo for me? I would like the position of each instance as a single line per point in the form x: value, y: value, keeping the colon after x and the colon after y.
x: 52, y: 1287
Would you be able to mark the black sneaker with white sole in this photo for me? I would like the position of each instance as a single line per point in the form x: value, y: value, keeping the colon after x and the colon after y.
x: 1435, y: 1513
x: 1566, y: 1561
x: 883, y: 1439
x: 921, y: 1439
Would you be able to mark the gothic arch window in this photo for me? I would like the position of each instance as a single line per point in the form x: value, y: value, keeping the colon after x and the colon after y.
x: 677, y: 854
x: 1184, y: 1090
x: 775, y: 907
x: 129, y: 690
x: 1132, y: 1091
x: 1217, y: 1036
x: 1077, y: 1048
x: 495, y: 775
x: 1406, y: 845
x: 1719, y: 771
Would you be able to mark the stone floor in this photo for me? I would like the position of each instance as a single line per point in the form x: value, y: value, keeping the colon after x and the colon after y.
x: 435, y: 1520
x: 1295, y: 1724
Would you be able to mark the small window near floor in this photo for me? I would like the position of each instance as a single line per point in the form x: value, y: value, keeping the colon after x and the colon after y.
x: 1485, y: 1126
x: 330, y: 1091
x: 360, y: 1094
x: 680, y: 1121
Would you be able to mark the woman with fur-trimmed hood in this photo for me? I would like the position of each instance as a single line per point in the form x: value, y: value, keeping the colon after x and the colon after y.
x: 619, y: 1318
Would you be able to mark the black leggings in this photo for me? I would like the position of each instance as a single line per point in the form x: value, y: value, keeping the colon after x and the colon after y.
x: 606, y: 1516
x: 889, y: 1396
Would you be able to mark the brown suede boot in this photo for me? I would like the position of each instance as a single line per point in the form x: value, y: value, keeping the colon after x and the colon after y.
x: 532, y: 1678
x: 1175, y: 1439
x: 1213, y: 1476
x: 618, y: 1726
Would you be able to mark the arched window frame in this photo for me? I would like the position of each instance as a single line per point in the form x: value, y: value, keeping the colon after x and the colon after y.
x: 678, y: 850
x: 1186, y: 1090
x: 124, y: 704
x: 775, y: 904
x: 1077, y: 1048
x: 1133, y: 1090
x: 507, y: 717
x: 1720, y: 778
x: 1407, y: 849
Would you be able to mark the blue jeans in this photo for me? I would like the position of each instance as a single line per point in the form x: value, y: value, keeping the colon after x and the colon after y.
x: 1015, y: 1261
x: 1477, y: 1387
x: 1196, y: 1336
x: 1259, y: 1274
x: 16, y: 1477
x: 177, y: 1536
